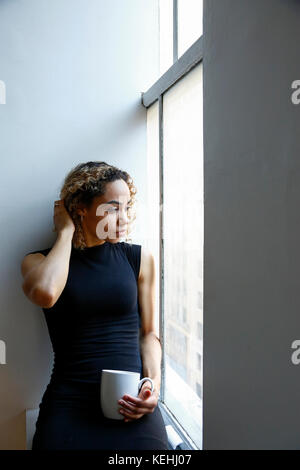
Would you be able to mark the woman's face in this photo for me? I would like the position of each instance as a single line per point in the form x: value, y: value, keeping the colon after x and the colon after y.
x: 107, y: 218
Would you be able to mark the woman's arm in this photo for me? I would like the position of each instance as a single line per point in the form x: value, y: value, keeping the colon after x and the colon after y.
x: 151, y: 351
x: 45, y: 280
x: 151, y: 357
x: 134, y: 408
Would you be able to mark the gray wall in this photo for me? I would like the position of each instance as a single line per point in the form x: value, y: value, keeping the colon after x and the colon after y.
x: 252, y: 224
x: 74, y: 72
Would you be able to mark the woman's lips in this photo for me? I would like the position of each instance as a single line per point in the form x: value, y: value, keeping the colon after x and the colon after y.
x: 121, y: 232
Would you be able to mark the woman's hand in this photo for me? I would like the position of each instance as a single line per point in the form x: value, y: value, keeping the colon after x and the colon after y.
x: 135, y: 407
x: 61, y: 218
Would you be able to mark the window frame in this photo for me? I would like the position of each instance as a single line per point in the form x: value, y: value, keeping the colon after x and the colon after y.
x: 181, y: 67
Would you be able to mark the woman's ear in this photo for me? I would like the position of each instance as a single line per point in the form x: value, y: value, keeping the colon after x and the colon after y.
x: 81, y: 210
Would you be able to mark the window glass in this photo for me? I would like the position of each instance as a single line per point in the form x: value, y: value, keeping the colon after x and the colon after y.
x: 165, y: 35
x: 189, y: 23
x: 183, y: 250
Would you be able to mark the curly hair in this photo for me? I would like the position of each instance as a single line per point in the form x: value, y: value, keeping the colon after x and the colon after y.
x: 86, y: 181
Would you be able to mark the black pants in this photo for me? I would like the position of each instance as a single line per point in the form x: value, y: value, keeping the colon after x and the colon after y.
x: 70, y: 417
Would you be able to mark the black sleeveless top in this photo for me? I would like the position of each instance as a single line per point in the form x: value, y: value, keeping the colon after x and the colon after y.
x: 95, y: 322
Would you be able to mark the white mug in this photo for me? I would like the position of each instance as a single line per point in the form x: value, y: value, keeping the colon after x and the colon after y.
x: 115, y: 384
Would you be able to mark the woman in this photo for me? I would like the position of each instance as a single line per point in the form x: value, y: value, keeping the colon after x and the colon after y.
x: 96, y: 292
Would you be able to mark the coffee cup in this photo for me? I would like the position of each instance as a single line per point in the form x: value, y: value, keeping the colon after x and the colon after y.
x: 114, y: 385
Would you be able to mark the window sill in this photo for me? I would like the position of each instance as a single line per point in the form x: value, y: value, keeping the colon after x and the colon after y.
x: 169, y: 419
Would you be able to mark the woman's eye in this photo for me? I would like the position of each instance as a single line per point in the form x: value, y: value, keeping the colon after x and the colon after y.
x: 115, y: 209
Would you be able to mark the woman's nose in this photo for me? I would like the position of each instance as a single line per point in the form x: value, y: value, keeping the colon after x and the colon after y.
x: 123, y: 218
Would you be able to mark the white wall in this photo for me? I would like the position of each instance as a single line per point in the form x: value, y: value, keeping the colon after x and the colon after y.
x: 74, y: 71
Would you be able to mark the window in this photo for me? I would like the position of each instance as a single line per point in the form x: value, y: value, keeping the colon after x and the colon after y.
x: 199, y: 330
x: 166, y: 34
x: 200, y: 300
x: 199, y: 390
x: 175, y: 206
x: 199, y: 363
x: 180, y: 24
x: 182, y: 194
x: 189, y: 23
x: 184, y: 314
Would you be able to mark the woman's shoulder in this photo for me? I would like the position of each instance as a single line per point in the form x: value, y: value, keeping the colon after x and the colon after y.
x: 133, y: 252
x: 133, y: 249
x: 130, y: 244
x: 44, y: 251
x: 141, y: 258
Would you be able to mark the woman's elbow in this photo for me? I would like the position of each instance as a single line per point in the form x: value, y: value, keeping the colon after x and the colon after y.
x: 38, y: 296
